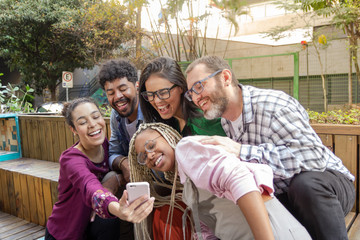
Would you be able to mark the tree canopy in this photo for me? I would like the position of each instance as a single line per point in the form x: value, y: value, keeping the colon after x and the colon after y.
x: 42, y: 38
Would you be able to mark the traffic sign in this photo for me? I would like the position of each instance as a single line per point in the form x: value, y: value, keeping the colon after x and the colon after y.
x: 67, y: 79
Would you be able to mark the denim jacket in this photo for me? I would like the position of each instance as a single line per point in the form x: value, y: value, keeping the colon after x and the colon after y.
x: 120, y: 139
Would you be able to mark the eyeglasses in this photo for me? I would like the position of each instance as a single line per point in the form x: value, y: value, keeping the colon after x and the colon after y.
x: 161, y: 93
x: 198, y: 87
x: 150, y: 146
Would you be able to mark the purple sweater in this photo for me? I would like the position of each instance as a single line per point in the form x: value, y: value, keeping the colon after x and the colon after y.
x: 80, y: 192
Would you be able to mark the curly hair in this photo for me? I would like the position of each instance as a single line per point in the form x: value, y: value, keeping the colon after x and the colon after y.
x: 167, y: 68
x: 143, y: 173
x: 114, y: 69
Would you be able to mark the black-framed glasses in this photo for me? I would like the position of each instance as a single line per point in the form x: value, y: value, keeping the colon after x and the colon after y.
x: 198, y: 87
x: 150, y: 146
x: 161, y: 94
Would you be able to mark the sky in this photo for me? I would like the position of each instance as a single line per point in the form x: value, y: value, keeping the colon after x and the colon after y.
x: 219, y: 27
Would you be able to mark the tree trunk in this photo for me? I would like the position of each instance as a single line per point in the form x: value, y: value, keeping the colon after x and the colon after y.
x: 53, y: 93
x: 350, y: 77
x: 322, y: 77
x: 138, y: 37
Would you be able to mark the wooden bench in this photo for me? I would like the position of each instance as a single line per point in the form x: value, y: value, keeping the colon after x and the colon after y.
x: 354, y: 231
x: 32, y: 184
x: 29, y: 191
x: 28, y: 188
x: 12, y: 227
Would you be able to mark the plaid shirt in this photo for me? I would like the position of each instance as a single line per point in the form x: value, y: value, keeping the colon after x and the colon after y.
x: 275, y: 130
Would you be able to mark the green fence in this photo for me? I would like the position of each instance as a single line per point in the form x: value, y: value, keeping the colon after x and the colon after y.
x: 307, y: 89
x: 310, y: 90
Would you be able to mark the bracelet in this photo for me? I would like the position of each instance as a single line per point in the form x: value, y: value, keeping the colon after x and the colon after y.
x: 120, y: 162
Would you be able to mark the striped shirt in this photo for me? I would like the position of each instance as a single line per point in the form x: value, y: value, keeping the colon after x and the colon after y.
x: 275, y: 130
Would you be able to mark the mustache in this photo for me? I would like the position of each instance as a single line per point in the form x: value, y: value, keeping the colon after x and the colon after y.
x: 123, y: 99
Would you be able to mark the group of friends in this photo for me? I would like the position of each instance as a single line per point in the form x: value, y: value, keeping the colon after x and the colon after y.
x: 223, y: 160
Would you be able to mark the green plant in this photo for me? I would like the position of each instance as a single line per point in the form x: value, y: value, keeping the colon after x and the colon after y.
x: 16, y: 99
x: 347, y: 116
x: 105, y: 110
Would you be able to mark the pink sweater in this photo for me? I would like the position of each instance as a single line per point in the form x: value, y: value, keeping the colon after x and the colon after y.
x: 213, y: 169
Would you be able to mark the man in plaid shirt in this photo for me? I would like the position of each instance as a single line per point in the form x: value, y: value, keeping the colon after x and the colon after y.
x: 270, y: 127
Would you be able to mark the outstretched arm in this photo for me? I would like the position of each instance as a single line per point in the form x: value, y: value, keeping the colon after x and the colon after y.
x: 253, y: 208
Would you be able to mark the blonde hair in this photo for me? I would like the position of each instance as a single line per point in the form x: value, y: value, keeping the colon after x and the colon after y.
x: 140, y: 173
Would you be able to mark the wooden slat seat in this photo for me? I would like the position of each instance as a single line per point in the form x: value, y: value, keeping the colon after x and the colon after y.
x: 349, y: 220
x: 12, y: 227
x: 354, y: 232
x: 28, y: 188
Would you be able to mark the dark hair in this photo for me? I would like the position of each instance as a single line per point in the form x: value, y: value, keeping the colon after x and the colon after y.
x: 213, y: 63
x: 166, y: 68
x: 70, y: 106
x: 118, y: 68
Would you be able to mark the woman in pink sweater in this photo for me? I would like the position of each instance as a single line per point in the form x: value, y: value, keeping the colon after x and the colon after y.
x: 229, y: 199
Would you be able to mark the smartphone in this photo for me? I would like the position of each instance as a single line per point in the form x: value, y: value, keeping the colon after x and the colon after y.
x: 136, y: 190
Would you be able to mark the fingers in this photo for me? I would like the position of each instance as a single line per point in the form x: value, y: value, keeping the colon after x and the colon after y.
x: 142, y: 211
x: 123, y: 199
x: 214, y: 140
x: 137, y: 210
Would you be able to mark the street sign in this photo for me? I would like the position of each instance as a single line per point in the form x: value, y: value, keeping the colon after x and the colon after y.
x: 67, y: 79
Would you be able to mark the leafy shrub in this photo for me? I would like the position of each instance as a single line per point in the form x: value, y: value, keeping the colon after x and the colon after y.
x: 105, y: 110
x: 347, y: 116
x: 16, y: 100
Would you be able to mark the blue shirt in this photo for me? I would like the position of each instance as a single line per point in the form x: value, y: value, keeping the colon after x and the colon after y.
x: 120, y: 138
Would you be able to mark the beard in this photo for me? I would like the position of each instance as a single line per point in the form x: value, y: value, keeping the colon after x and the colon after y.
x: 219, y: 102
x: 132, y: 105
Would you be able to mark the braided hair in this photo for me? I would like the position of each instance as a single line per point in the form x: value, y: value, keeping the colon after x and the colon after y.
x: 143, y: 173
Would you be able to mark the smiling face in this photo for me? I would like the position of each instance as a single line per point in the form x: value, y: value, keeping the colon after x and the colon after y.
x: 162, y: 155
x: 122, y: 96
x: 212, y: 100
x: 89, y: 125
x: 167, y: 108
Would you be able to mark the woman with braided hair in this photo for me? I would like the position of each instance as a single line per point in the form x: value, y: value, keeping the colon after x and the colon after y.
x: 168, y: 208
x: 229, y: 199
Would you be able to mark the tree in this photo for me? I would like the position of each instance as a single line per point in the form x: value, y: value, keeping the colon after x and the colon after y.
x: 345, y: 14
x: 43, y: 38
x: 190, y: 38
x: 318, y: 40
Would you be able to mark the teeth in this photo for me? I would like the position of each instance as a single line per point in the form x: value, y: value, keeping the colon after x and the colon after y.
x: 203, y: 103
x: 162, y: 107
x: 121, y: 104
x: 158, y: 161
x: 94, y: 133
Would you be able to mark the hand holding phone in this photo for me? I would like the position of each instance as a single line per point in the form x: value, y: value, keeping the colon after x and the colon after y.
x: 136, y: 190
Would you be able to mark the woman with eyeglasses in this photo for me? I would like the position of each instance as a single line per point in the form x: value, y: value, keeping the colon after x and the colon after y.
x: 235, y: 199
x: 162, y: 87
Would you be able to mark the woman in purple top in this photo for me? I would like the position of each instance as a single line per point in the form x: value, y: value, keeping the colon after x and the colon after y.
x: 82, y: 167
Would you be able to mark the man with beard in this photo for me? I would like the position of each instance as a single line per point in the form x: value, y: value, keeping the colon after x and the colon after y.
x: 119, y: 79
x: 270, y: 127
